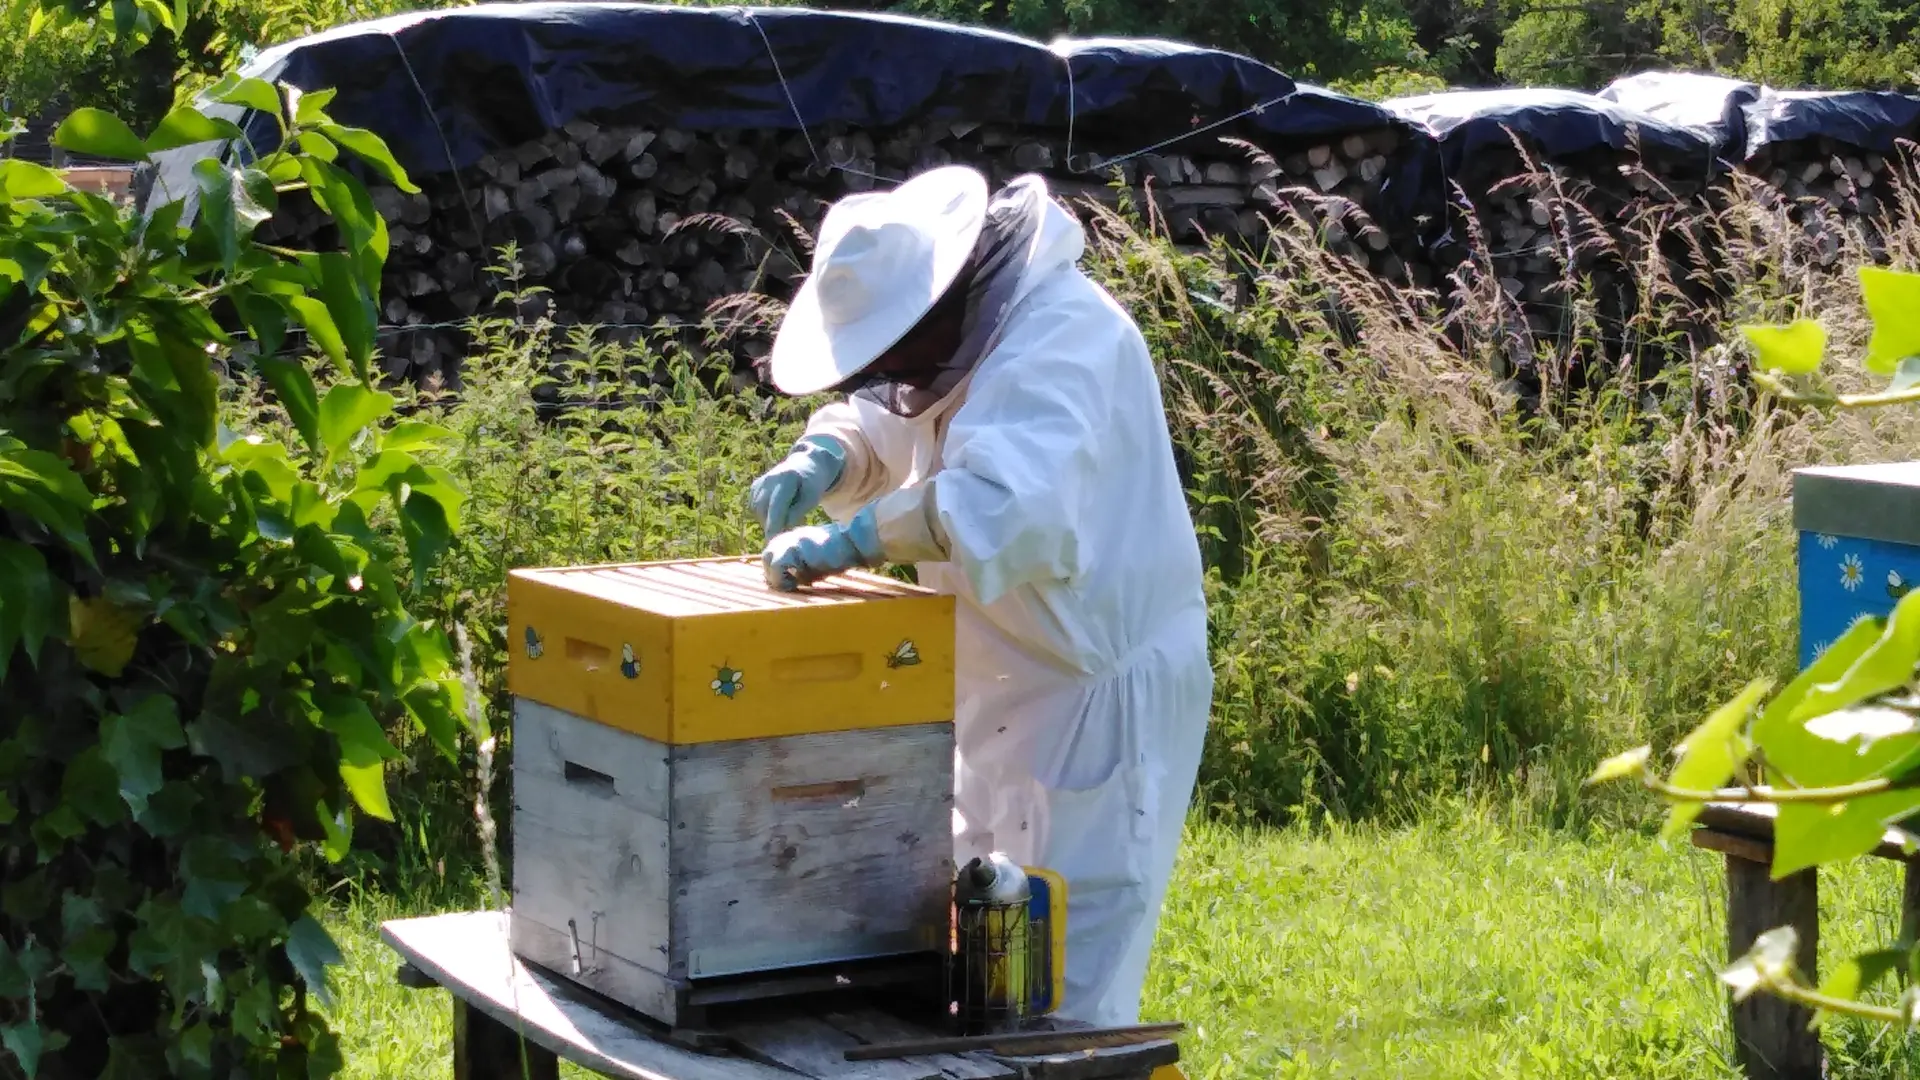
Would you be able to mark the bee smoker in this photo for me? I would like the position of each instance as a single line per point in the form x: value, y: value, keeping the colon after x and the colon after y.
x: 998, y: 965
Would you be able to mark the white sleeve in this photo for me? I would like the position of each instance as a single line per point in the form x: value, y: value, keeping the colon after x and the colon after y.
x: 1020, y: 456
x: 879, y: 453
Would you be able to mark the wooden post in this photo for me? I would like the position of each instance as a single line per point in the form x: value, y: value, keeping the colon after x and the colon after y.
x: 486, y: 1049
x: 1771, y: 1036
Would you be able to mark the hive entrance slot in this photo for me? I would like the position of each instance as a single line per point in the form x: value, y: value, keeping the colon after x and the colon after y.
x: 580, y: 774
x: 833, y: 667
x: 839, y: 790
x: 592, y: 655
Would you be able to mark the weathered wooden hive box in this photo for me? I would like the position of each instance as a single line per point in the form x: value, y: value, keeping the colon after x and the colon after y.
x: 718, y: 788
x: 1859, y: 529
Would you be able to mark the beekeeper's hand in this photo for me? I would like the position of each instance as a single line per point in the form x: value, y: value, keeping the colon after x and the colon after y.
x: 784, y: 496
x: 803, y: 556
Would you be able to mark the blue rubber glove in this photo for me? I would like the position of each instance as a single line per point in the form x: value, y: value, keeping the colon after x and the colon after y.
x: 784, y: 496
x: 803, y: 556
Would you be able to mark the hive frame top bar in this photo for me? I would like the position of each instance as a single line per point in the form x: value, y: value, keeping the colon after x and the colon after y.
x: 713, y: 586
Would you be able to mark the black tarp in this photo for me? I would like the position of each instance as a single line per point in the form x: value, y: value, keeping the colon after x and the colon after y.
x: 1555, y: 123
x: 1870, y: 119
x: 1713, y: 105
x: 500, y: 74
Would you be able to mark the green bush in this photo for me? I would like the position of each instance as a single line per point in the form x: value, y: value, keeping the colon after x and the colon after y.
x: 201, y: 633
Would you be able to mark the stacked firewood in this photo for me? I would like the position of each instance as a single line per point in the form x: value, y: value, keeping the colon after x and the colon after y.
x: 1569, y: 239
x: 641, y: 230
x: 1833, y: 189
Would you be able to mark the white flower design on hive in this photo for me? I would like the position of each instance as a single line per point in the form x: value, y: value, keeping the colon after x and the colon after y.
x: 1851, y: 572
x: 1825, y: 540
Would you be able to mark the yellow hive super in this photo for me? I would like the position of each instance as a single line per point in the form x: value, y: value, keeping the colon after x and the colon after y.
x: 702, y: 650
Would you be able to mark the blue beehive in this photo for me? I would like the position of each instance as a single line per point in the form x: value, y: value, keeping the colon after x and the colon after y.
x: 1859, y: 531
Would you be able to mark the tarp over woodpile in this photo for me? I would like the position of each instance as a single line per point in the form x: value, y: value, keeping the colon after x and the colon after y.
x: 1875, y: 120
x: 446, y: 88
x: 1553, y: 123
x: 1712, y: 105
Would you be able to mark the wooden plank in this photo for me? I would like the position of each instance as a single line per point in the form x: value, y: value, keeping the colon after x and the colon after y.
x: 635, y: 986
x: 545, y: 739
x: 869, y: 1026
x: 1125, y: 1063
x: 1755, y: 820
x: 1042, y: 1043
x: 583, y: 857
x: 1744, y: 847
x: 812, y: 1047
x: 467, y: 953
x: 1771, y: 1036
x: 486, y: 1049
x: 862, y: 868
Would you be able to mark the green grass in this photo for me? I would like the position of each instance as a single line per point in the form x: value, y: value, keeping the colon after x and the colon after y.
x: 1469, y: 946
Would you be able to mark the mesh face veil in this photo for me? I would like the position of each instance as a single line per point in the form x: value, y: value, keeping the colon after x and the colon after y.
x: 931, y: 359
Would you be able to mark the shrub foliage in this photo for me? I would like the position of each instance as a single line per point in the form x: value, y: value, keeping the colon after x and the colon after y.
x: 203, y: 635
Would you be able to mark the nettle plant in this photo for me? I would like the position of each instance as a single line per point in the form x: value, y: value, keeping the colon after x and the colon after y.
x: 1837, y: 752
x: 202, y: 630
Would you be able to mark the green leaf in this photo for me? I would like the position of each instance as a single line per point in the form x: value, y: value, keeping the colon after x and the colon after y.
x: 188, y: 126
x: 25, y: 180
x: 1796, y: 348
x: 1886, y: 665
x: 428, y: 535
x: 1893, y: 300
x: 255, y: 94
x: 312, y: 951
x: 363, y: 751
x: 1621, y: 766
x: 133, y: 743
x: 344, y: 288
x: 26, y: 601
x: 312, y: 108
x: 320, y: 327
x: 411, y: 435
x: 1709, y: 755
x: 1809, y: 834
x: 229, y: 211
x: 103, y: 634
x: 99, y: 134
x: 373, y: 150
x: 1861, y: 973
x: 90, y: 787
x: 339, y: 830
x: 294, y: 388
x: 347, y: 410
x: 23, y: 1040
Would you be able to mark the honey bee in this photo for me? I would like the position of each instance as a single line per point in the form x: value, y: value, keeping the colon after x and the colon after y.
x: 903, y: 655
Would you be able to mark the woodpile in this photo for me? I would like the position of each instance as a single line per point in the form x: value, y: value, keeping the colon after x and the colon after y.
x: 1600, y: 219
x: 642, y: 230
x: 1833, y: 189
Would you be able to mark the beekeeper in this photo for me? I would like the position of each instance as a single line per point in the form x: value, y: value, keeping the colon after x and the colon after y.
x: 1003, y: 431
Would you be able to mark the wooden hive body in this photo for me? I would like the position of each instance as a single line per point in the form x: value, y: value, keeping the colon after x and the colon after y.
x: 719, y: 788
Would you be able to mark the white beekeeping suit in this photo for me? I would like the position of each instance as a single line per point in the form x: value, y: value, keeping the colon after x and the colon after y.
x: 1041, y: 492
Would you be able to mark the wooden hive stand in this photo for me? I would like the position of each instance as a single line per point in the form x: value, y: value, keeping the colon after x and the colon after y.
x: 515, y: 1021
x: 1771, y: 1036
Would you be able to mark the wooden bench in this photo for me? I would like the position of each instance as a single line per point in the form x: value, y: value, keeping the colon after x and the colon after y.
x: 513, y: 1021
x: 1771, y: 1036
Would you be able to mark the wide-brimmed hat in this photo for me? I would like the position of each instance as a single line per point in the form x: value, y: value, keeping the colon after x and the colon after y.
x: 880, y: 263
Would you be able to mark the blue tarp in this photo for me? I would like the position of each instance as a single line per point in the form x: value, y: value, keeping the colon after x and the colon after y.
x: 500, y: 74
x: 1555, y: 123
x: 1870, y: 119
x: 1712, y: 105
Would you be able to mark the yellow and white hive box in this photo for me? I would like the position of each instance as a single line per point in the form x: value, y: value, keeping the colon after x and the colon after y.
x: 716, y: 782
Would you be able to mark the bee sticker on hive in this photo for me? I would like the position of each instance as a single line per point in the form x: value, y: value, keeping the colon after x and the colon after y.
x: 534, y: 645
x: 1897, y: 586
x: 726, y: 682
x: 629, y: 665
x: 903, y: 655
